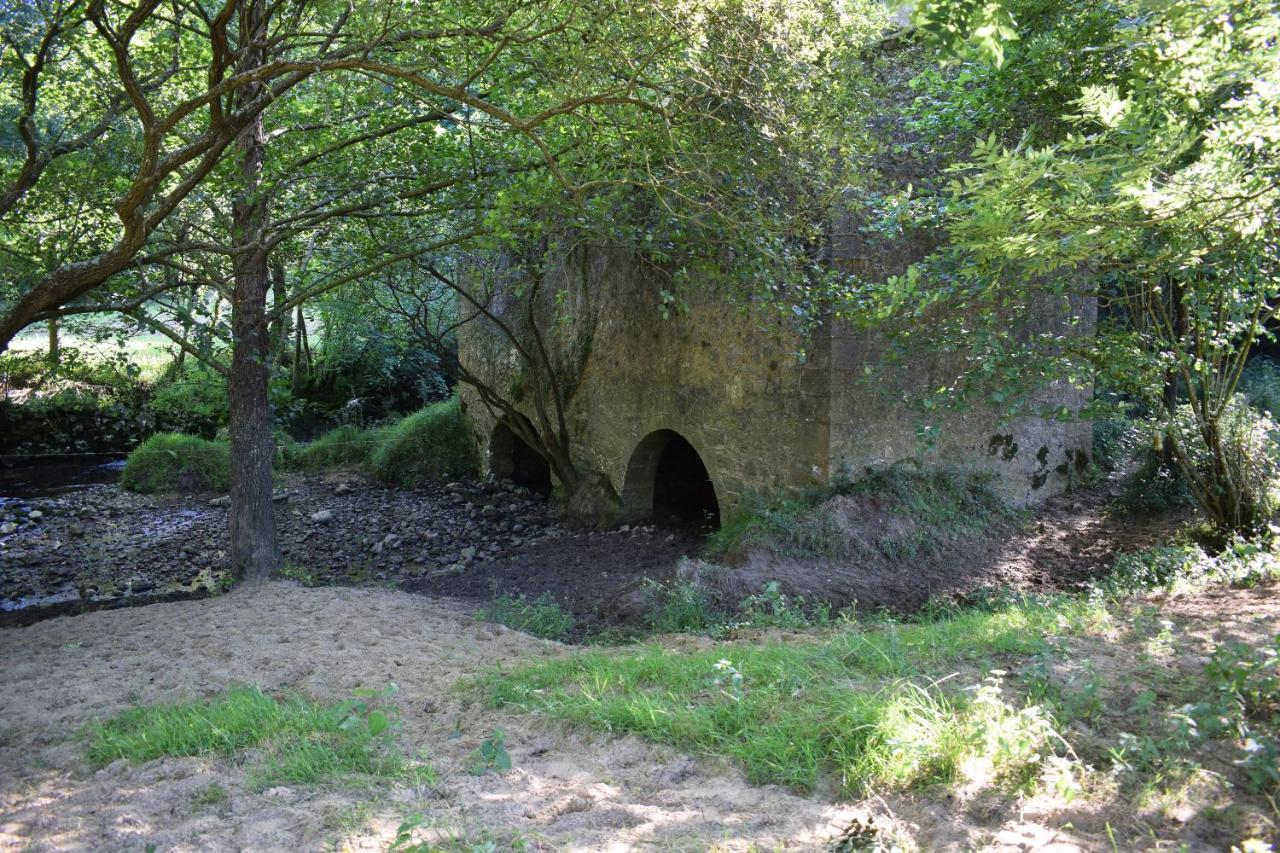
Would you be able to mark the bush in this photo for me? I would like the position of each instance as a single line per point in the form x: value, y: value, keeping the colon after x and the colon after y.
x: 1244, y: 486
x: 169, y: 462
x: 193, y: 402
x: 344, y: 446
x: 432, y: 443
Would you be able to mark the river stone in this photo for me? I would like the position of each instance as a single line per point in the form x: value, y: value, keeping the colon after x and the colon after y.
x: 7, y: 528
x: 342, y: 489
x: 324, y: 516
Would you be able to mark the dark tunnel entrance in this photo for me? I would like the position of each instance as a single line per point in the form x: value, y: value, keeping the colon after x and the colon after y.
x: 511, y: 458
x: 668, y: 482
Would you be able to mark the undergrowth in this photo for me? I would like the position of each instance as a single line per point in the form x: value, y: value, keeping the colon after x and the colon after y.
x: 937, y: 505
x: 432, y: 443
x: 344, y: 446
x: 302, y: 741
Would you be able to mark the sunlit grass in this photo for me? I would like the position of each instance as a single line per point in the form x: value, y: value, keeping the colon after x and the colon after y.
x: 303, y: 742
x: 870, y: 705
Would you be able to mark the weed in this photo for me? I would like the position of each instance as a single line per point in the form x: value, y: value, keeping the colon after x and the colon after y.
x: 492, y: 755
x: 304, y: 576
x: 773, y: 608
x: 210, y: 795
x: 679, y: 607
x: 542, y: 616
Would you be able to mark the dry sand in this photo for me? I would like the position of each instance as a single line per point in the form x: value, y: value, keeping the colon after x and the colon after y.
x: 567, y: 790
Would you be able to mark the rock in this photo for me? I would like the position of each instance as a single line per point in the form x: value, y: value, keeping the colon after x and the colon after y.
x: 343, y: 489
x: 35, y: 515
x: 324, y: 516
x: 490, y: 511
x: 7, y: 528
x: 225, y: 500
x: 468, y: 553
x: 280, y: 496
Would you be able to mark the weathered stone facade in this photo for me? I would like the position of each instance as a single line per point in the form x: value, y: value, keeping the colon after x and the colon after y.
x: 767, y: 409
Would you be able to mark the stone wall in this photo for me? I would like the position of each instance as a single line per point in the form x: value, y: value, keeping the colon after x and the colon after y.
x: 767, y: 409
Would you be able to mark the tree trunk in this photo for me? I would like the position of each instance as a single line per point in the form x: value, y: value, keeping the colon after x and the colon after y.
x: 55, y: 348
x: 255, y: 553
x: 280, y: 331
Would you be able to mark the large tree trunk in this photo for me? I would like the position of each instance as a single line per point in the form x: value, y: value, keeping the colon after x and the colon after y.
x: 255, y: 553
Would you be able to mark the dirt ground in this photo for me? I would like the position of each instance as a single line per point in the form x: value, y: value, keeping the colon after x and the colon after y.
x: 568, y: 790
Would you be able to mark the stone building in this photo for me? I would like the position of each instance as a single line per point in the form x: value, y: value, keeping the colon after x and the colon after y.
x: 691, y: 414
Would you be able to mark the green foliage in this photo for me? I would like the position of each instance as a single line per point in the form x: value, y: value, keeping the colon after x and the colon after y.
x: 1157, y: 170
x: 341, y: 447
x: 1115, y: 440
x: 1188, y: 567
x: 303, y: 742
x: 192, y: 401
x: 858, y: 705
x: 492, y: 755
x: 542, y: 616
x: 168, y: 462
x: 676, y: 608
x: 940, y: 504
x: 1155, y: 486
x: 431, y: 444
x: 773, y: 608
x: 1246, y: 705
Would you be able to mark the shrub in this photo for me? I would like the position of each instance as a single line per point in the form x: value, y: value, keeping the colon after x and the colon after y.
x: 1260, y: 384
x: 1241, y: 482
x: 344, y: 446
x: 432, y: 443
x: 193, y: 402
x: 679, y: 607
x: 169, y: 462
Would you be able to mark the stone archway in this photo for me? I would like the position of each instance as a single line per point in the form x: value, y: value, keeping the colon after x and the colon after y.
x: 511, y: 458
x: 668, y: 481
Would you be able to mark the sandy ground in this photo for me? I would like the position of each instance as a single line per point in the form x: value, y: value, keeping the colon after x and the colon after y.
x: 568, y: 790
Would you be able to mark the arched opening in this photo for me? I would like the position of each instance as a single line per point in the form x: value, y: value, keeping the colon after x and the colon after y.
x: 668, y: 482
x: 511, y: 458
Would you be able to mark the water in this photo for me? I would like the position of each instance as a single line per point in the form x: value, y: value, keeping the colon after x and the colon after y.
x: 58, y: 476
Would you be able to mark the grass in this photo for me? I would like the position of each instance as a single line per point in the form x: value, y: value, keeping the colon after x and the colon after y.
x: 170, y: 462
x: 302, y: 742
x: 542, y: 616
x: 939, y: 504
x: 863, y: 705
x: 345, y: 446
x: 431, y: 444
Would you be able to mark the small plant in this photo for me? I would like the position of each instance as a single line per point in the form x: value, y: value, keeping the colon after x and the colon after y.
x: 678, y: 608
x: 772, y: 607
x: 492, y: 755
x: 542, y: 617
x: 210, y: 795
x: 169, y: 462
x: 304, y: 576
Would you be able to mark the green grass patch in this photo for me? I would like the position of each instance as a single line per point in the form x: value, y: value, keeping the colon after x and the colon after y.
x: 861, y: 705
x: 171, y: 462
x: 345, y: 446
x: 938, y: 504
x: 541, y: 616
x: 303, y: 742
x: 431, y: 444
